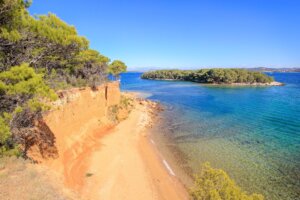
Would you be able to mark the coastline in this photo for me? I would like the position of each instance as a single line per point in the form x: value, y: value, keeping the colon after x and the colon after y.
x: 128, y: 165
x: 176, y: 158
x: 163, y: 145
x: 237, y: 131
x: 273, y: 83
x: 109, y: 162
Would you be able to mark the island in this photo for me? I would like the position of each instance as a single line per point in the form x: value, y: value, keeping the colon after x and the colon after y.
x: 216, y: 76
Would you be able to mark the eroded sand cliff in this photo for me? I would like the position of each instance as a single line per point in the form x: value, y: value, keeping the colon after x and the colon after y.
x: 99, y: 158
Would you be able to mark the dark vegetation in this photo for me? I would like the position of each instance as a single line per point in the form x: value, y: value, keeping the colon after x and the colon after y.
x: 217, y: 76
x: 38, y: 55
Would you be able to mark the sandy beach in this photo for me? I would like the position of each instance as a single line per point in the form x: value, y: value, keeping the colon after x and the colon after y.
x: 125, y: 164
x: 96, y: 158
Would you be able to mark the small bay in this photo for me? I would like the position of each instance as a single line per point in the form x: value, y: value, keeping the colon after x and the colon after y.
x: 253, y: 133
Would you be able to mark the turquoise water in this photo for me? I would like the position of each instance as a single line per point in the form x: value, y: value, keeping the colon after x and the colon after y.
x: 253, y: 133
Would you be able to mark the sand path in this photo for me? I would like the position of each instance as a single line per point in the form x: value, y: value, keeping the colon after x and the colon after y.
x: 127, y: 165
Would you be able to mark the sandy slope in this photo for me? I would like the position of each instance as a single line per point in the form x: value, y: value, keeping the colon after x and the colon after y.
x: 127, y: 166
x: 96, y: 159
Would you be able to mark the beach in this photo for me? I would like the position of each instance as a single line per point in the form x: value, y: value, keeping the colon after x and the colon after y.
x: 158, y: 100
x: 152, y: 150
x: 98, y: 160
x: 127, y: 165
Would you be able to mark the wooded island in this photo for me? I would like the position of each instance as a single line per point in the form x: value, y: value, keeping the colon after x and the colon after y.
x: 212, y: 76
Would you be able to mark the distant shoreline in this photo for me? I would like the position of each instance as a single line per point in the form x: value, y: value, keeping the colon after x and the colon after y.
x: 215, y: 76
x: 273, y: 83
x: 251, y: 69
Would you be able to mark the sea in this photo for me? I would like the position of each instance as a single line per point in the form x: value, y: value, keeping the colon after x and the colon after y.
x: 252, y: 133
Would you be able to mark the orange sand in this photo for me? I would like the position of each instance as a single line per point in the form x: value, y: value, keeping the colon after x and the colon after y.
x: 100, y: 161
x: 127, y: 167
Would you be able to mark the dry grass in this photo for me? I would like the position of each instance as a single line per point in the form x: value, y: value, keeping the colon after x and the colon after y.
x: 20, y: 179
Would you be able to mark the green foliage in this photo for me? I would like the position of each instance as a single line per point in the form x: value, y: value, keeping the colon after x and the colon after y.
x: 14, y: 150
x: 57, y: 58
x: 21, y: 90
x: 23, y: 81
x: 57, y: 31
x: 116, y: 68
x: 215, y: 184
x: 13, y: 35
x: 89, y: 68
x: 7, y: 147
x: 4, y: 129
x: 217, y: 76
x: 48, y: 43
x: 11, y: 12
x: 91, y: 56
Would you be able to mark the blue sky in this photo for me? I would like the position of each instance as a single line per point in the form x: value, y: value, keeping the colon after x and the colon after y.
x: 186, y: 33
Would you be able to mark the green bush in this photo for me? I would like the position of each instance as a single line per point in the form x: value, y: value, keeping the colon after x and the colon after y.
x: 116, y: 67
x: 24, y: 81
x: 215, y: 184
x: 22, y: 91
x: 4, y: 129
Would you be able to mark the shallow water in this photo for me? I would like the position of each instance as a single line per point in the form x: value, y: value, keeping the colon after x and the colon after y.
x: 253, y: 133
